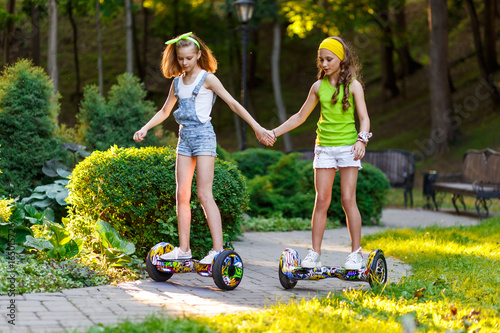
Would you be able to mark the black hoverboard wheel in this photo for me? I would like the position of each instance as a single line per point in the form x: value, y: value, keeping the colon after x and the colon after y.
x: 227, y: 270
x: 377, y: 274
x: 151, y: 259
x: 288, y: 257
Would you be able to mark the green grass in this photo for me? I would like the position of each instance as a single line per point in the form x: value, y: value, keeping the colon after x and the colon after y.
x: 452, y: 288
x: 279, y: 223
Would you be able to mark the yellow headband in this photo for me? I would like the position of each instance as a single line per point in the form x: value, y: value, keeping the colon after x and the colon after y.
x: 331, y: 44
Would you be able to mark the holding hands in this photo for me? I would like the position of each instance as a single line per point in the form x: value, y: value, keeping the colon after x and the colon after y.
x: 265, y: 136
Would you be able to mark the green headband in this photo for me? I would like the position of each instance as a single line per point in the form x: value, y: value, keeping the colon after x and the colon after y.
x: 184, y: 36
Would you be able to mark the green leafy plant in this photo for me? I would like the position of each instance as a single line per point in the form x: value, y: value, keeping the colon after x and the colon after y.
x: 34, y: 275
x: 103, y: 124
x: 134, y: 191
x: 116, y: 251
x: 15, y: 230
x: 28, y: 121
x: 58, y: 243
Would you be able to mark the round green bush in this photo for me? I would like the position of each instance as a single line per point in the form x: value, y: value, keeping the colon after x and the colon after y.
x: 288, y: 189
x: 134, y: 190
x: 255, y: 161
x: 28, y: 121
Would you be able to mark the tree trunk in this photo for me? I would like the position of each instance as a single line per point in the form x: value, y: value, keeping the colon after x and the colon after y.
x: 390, y: 88
x: 408, y: 64
x: 137, y: 52
x: 440, y: 96
x: 487, y: 75
x: 7, y: 34
x: 490, y: 52
x: 129, y: 37
x: 35, y: 40
x: 145, y: 24
x: 75, y: 47
x: 99, y: 46
x: 275, y: 73
x: 52, y: 45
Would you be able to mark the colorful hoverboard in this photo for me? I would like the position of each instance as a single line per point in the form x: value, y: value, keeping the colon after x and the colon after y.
x: 226, y: 269
x: 290, y: 271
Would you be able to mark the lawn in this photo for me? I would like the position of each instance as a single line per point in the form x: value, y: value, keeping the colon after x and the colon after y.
x: 453, y: 288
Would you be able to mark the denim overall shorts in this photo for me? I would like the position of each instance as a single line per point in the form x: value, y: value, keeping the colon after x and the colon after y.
x: 195, y: 138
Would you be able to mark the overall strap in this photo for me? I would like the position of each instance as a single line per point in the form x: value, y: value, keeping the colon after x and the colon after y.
x: 176, y: 87
x: 198, y: 86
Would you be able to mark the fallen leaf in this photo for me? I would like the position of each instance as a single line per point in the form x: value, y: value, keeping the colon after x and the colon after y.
x: 453, y: 310
x: 419, y: 293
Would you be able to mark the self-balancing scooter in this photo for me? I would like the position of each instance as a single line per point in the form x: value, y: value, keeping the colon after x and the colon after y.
x: 290, y: 271
x: 226, y: 269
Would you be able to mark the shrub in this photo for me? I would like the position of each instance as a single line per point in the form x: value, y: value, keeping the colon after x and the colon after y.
x: 134, y: 190
x: 104, y: 123
x: 255, y: 161
x: 288, y: 189
x: 28, y: 118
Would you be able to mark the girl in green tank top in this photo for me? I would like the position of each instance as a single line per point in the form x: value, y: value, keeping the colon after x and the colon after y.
x: 339, y: 146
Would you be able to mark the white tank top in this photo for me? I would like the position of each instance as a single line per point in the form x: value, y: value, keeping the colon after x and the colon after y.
x: 203, y: 102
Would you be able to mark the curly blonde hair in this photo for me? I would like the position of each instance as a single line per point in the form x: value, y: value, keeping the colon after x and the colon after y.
x: 350, y: 69
x: 170, y: 66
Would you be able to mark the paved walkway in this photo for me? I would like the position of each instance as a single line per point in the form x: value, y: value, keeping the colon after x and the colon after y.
x: 190, y: 294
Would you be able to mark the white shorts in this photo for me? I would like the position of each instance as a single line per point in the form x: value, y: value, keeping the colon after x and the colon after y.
x: 334, y: 157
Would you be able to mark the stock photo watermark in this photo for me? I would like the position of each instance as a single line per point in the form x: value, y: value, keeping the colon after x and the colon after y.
x: 11, y: 258
x: 460, y: 112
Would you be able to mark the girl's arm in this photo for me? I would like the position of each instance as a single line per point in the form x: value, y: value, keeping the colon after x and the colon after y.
x: 359, y: 100
x: 214, y: 84
x: 304, y: 112
x: 160, y: 116
x: 359, y: 148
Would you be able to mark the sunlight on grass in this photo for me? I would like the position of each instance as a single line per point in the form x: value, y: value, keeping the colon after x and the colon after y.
x: 453, y: 288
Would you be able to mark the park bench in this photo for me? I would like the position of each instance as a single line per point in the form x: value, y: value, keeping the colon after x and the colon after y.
x: 397, y: 165
x: 479, y: 178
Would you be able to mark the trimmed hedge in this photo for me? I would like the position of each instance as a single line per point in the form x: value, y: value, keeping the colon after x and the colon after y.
x: 134, y: 190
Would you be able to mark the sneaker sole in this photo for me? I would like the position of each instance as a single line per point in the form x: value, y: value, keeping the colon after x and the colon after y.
x: 318, y: 265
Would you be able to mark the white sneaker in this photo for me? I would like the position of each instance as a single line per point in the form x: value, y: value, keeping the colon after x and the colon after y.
x: 209, y: 258
x: 354, y: 260
x: 312, y: 260
x: 176, y: 254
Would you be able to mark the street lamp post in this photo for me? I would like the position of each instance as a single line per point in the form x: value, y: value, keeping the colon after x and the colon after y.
x: 244, y: 10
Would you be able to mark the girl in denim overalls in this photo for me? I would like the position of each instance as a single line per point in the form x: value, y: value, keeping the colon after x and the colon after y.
x: 191, y: 62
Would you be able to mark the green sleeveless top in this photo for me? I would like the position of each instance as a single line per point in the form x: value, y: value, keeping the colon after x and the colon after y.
x: 335, y: 126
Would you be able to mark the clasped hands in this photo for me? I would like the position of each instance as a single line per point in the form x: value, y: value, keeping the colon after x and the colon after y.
x: 266, y: 137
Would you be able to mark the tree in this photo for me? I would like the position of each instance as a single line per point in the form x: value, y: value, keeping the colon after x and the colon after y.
x: 486, y: 71
x: 442, y: 132
x: 275, y: 73
x: 9, y: 29
x: 490, y: 53
x: 99, y: 47
x: 52, y: 45
x: 129, y: 36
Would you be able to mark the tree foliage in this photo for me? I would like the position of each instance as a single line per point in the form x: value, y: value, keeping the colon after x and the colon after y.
x: 103, y: 124
x: 28, y: 113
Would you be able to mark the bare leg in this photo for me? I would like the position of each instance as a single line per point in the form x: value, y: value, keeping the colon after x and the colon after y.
x: 204, y: 181
x: 349, y: 179
x: 184, y: 171
x: 323, y: 181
